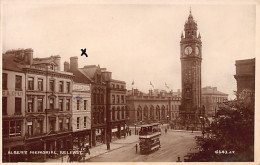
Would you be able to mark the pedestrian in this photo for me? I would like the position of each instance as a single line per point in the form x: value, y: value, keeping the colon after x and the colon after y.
x: 165, y: 130
x: 129, y: 132
x: 136, y: 148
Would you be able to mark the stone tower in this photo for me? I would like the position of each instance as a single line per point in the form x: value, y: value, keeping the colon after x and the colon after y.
x: 191, y: 57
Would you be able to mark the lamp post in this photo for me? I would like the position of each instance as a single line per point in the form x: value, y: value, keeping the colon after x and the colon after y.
x: 202, y: 121
x: 167, y: 122
x: 135, y: 129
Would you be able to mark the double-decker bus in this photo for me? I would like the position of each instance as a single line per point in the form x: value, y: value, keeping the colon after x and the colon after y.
x: 149, y: 137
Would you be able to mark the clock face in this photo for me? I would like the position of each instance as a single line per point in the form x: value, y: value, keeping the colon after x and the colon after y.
x: 188, y: 50
x: 197, y: 50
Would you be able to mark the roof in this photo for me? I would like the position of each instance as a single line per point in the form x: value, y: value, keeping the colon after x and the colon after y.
x: 149, y: 125
x: 45, y: 60
x: 245, y: 61
x: 12, y: 63
x: 212, y: 93
x: 90, y: 70
x: 80, y: 77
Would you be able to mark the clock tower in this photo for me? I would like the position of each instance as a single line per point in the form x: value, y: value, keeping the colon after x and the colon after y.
x: 191, y: 57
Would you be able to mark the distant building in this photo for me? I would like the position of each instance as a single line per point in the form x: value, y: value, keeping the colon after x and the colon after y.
x: 81, y: 114
x: 116, y: 106
x: 155, y: 106
x: 210, y: 99
x: 245, y: 75
x: 46, y: 103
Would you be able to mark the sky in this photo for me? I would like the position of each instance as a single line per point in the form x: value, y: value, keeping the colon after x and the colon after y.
x: 136, y: 42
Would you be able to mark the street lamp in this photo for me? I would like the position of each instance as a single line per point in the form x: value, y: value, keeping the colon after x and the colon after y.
x: 202, y: 120
x: 167, y: 121
x: 135, y: 129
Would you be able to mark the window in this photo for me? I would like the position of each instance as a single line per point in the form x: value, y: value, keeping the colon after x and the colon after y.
x: 4, y: 76
x: 118, y: 99
x: 117, y: 86
x: 61, y: 124
x: 5, y: 129
x: 40, y: 84
x: 123, y: 113
x: 52, y: 123
x: 61, y: 104
x: 40, y: 126
x: 113, y: 113
x: 30, y: 104
x: 40, y: 104
x: 77, y: 122
x: 61, y: 86
x: 85, y: 104
x: 102, y: 98
x: 122, y: 99
x: 52, y: 85
x: 67, y: 104
x: 85, y: 122
x: 52, y: 67
x: 31, y: 83
x: 98, y: 98
x: 78, y: 102
x: 4, y: 105
x: 18, y: 82
x: 68, y: 123
x: 30, y: 128
x: 51, y: 103
x: 15, y: 128
x: 68, y: 87
x: 18, y: 106
x: 122, y: 87
x: 113, y: 99
x: 113, y: 86
x: 118, y: 113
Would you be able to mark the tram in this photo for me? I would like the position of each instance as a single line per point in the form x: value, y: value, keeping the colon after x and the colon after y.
x: 149, y: 138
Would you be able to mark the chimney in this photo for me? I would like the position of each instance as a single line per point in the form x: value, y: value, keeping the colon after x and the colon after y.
x: 106, y: 75
x: 28, y: 56
x: 57, y: 61
x: 66, y: 66
x: 214, y: 89
x: 73, y: 63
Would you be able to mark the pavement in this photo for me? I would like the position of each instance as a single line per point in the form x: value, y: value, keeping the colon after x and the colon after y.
x: 102, y: 149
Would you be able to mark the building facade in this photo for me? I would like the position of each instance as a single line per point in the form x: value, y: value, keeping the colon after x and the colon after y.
x: 191, y: 57
x: 47, y: 108
x: 116, y: 106
x: 245, y: 75
x: 91, y: 74
x: 13, y: 110
x: 153, y: 107
x: 81, y: 114
x: 211, y: 98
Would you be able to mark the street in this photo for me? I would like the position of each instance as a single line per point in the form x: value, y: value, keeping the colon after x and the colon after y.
x: 173, y: 144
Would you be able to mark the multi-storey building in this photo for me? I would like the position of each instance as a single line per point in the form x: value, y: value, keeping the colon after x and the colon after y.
x: 211, y: 98
x: 81, y: 114
x: 116, y: 106
x: 91, y: 74
x: 47, y: 104
x: 245, y: 75
x: 152, y: 107
x: 13, y: 109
